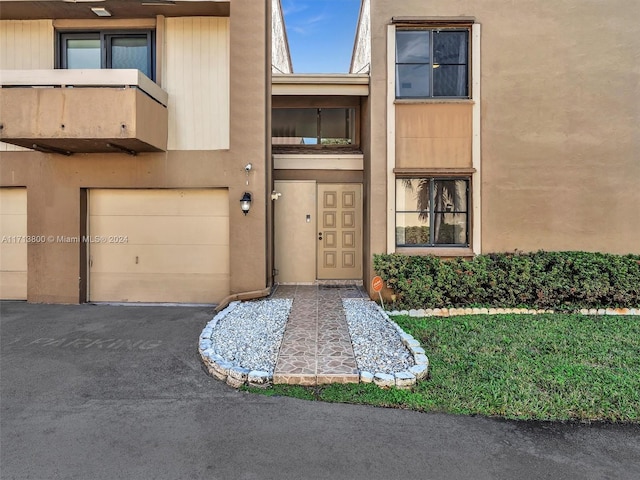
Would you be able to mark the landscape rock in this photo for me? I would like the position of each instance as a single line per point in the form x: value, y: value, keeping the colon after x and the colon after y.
x: 384, y: 380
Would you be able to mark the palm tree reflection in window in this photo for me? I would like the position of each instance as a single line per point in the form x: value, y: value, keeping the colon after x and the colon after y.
x: 442, y: 208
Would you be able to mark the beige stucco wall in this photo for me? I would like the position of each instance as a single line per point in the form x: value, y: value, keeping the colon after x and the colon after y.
x: 250, y: 119
x: 560, y: 113
x: 54, y: 182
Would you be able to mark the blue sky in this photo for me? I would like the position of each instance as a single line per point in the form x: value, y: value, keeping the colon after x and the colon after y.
x: 321, y: 34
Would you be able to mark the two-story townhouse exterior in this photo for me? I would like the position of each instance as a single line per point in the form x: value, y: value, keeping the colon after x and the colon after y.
x: 132, y: 131
x: 500, y: 126
x: 464, y: 127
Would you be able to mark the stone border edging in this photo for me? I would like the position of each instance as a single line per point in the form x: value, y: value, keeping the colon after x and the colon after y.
x: 222, y: 369
x: 452, y: 312
x: 406, y: 378
x: 236, y: 376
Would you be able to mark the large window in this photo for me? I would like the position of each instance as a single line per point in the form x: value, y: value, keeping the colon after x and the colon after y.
x: 432, y: 212
x: 432, y: 63
x: 108, y: 49
x: 313, y: 126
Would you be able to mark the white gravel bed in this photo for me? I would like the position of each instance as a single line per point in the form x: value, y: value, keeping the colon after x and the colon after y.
x: 251, y: 335
x: 377, y: 344
x: 240, y: 345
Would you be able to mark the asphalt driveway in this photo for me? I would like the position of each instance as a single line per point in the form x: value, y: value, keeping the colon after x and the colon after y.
x: 113, y: 392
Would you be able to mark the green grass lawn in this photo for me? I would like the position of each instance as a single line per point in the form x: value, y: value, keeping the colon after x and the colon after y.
x: 545, y: 367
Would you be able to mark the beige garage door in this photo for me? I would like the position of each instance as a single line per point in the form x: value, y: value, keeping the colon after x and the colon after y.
x: 158, y: 245
x: 13, y: 249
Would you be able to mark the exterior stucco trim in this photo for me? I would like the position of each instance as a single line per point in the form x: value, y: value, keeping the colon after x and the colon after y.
x: 391, y: 137
x: 476, y: 152
x: 475, y: 171
x: 434, y: 20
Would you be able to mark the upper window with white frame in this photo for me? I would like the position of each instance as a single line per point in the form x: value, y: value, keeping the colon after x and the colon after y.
x: 108, y: 49
x: 432, y: 63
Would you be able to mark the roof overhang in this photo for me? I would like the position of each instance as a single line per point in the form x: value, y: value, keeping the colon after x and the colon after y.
x: 320, y: 84
x: 81, y: 9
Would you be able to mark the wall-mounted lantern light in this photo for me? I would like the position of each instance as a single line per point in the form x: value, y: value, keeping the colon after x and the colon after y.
x: 245, y: 202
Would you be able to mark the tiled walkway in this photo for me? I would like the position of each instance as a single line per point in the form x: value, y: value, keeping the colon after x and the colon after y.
x: 316, y: 347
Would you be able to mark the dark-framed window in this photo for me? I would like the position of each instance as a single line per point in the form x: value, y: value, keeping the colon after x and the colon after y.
x: 108, y: 49
x: 432, y: 212
x: 432, y: 63
x: 314, y: 126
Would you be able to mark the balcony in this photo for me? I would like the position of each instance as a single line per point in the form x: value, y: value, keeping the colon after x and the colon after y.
x: 83, y: 111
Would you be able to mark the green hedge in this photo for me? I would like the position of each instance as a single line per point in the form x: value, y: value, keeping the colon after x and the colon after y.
x: 557, y: 280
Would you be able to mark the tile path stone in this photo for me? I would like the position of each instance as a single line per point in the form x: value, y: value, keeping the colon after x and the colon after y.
x: 316, y: 347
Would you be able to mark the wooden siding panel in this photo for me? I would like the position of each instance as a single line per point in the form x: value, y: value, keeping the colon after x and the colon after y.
x: 25, y: 45
x: 197, y: 80
x: 433, y: 135
x: 433, y: 153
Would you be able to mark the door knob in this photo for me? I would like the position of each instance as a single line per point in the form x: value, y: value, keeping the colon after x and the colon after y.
x: 319, y: 235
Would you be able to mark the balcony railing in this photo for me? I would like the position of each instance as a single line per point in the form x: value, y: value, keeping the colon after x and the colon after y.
x: 83, y: 111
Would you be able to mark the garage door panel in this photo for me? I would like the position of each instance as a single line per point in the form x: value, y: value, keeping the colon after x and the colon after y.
x: 176, y: 249
x: 13, y: 285
x: 193, y: 202
x: 183, y: 288
x: 13, y: 201
x: 159, y: 258
x: 187, y: 230
x: 13, y: 251
x: 14, y: 224
x: 13, y: 257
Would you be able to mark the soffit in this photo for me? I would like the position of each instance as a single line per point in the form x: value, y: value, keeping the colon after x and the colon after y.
x: 31, y: 10
x: 320, y: 84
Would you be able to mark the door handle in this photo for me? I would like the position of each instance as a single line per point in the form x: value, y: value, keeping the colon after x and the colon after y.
x: 319, y: 235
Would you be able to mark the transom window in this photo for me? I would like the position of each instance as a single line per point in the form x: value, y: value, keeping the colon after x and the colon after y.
x: 313, y: 126
x: 432, y: 63
x: 432, y: 212
x: 108, y: 49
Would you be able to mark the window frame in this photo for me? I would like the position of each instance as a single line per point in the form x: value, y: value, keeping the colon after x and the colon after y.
x: 432, y: 212
x: 431, y: 29
x: 354, y: 127
x: 106, y: 37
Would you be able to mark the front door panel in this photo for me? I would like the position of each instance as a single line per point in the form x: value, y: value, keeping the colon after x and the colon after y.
x: 295, y: 231
x: 339, y: 231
